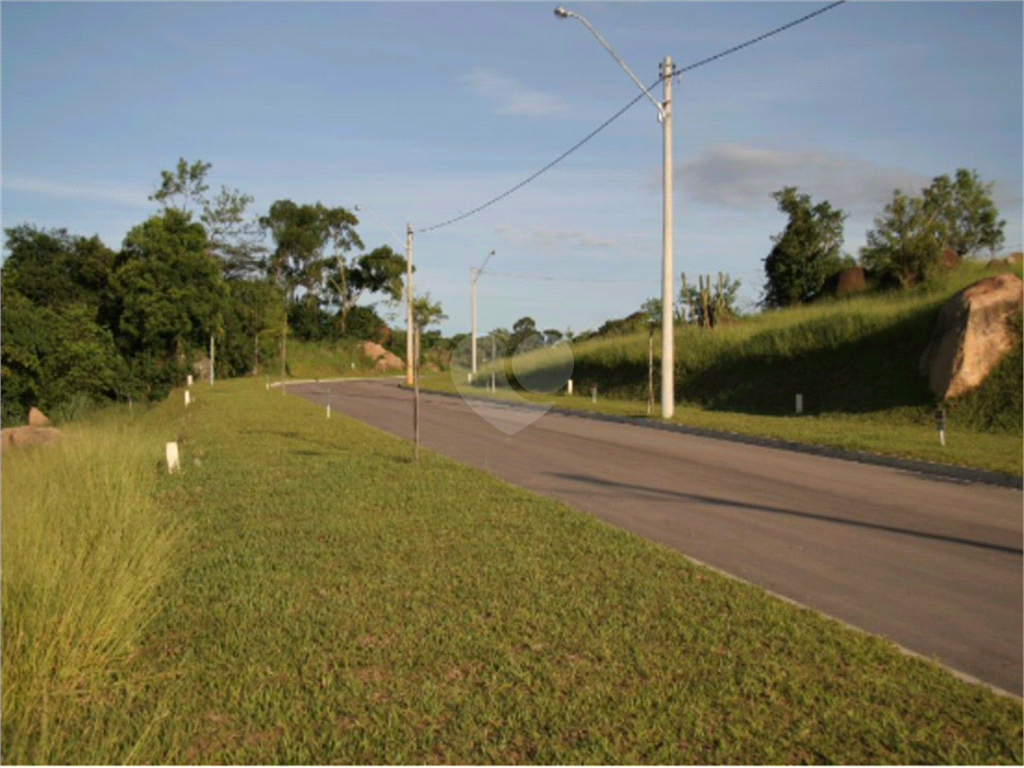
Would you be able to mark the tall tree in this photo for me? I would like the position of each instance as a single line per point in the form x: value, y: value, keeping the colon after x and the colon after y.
x: 964, y: 207
x: 168, y: 296
x: 906, y: 243
x: 379, y: 271
x: 806, y: 252
x: 301, y: 234
x: 237, y: 241
x: 52, y: 268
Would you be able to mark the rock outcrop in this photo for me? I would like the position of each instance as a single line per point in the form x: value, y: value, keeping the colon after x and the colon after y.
x: 972, y: 334
x: 382, y: 359
x: 37, y: 418
x: 24, y: 436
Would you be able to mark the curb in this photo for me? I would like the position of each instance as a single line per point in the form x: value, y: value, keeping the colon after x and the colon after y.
x: 920, y: 466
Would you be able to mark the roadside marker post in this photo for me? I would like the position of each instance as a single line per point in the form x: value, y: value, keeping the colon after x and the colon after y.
x: 171, y: 452
x: 940, y: 424
x: 799, y: 404
x: 593, y: 393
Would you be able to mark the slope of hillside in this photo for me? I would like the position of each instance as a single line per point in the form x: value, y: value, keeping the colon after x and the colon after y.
x: 854, y: 356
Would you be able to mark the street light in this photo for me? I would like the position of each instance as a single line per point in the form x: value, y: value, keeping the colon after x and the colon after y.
x: 474, y: 273
x: 665, y: 118
x: 408, y: 292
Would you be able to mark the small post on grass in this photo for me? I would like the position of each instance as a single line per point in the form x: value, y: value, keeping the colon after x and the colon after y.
x: 328, y: 403
x: 494, y: 360
x: 940, y: 424
x: 650, y: 369
x: 593, y: 393
x: 416, y: 397
x: 171, y: 452
x: 568, y: 387
x: 799, y: 404
x: 188, y: 398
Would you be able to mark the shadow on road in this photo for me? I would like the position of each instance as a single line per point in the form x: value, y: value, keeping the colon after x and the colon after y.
x: 589, y: 480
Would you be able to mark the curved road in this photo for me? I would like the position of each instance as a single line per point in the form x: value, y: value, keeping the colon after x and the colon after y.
x: 933, y: 564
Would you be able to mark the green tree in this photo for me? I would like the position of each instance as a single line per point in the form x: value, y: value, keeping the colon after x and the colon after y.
x: 52, y: 268
x: 253, y: 326
x: 806, y: 252
x: 50, y: 356
x: 301, y: 234
x: 168, y: 297
x: 964, y: 207
x: 232, y: 237
x: 379, y: 271
x: 910, y: 234
x: 524, y: 336
x: 906, y: 243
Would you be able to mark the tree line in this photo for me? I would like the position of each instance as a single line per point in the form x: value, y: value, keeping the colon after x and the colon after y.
x: 84, y: 323
x: 904, y: 248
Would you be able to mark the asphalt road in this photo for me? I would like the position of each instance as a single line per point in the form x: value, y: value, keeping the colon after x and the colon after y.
x: 933, y: 564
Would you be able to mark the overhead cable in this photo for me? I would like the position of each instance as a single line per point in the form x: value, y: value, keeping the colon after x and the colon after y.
x: 621, y: 112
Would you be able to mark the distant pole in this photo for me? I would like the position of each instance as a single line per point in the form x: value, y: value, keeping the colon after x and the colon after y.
x: 408, y: 306
x: 212, y: 354
x: 284, y: 352
x: 472, y: 319
x: 494, y: 359
x: 650, y: 369
x: 474, y: 274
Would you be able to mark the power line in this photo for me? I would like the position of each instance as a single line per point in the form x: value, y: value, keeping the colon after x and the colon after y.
x: 621, y: 112
x: 566, y: 278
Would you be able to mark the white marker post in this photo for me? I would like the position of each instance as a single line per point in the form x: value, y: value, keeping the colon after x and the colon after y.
x: 568, y: 387
x: 940, y: 424
x: 188, y: 398
x: 171, y: 450
x: 799, y: 404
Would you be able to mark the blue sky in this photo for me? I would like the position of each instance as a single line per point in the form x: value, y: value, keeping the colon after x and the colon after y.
x: 422, y: 111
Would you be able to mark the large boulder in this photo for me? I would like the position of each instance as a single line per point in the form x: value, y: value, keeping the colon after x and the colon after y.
x: 17, y: 437
x: 972, y: 335
x: 844, y: 282
x: 382, y: 359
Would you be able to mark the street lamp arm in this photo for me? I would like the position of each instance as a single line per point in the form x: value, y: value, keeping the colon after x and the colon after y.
x: 485, y: 262
x: 564, y: 13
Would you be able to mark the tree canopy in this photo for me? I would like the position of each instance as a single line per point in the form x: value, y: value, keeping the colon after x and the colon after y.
x: 806, y: 253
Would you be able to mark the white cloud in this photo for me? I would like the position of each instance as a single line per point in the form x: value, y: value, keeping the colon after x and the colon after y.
x: 740, y: 177
x: 110, y: 193
x: 509, y: 97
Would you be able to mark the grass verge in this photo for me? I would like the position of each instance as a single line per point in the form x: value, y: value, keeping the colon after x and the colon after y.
x: 84, y: 548
x: 335, y: 603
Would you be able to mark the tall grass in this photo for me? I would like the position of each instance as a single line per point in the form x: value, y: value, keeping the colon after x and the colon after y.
x: 83, y: 548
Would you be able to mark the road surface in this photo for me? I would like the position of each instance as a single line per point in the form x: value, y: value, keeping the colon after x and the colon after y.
x: 933, y: 564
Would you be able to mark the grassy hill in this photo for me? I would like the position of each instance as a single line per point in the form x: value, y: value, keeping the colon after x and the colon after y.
x: 853, y: 356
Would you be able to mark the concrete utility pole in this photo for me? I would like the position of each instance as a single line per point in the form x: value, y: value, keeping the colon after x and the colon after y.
x: 668, y: 394
x: 212, y: 353
x: 474, y: 273
x: 665, y: 118
x: 408, y: 306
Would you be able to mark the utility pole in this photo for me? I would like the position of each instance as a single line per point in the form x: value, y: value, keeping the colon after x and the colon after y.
x: 212, y: 352
x: 668, y: 395
x: 408, y: 306
x: 474, y: 273
x: 665, y: 118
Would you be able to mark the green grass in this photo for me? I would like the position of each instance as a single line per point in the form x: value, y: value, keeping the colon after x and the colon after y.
x: 315, y: 360
x: 84, y: 548
x: 335, y: 603
x: 854, y: 361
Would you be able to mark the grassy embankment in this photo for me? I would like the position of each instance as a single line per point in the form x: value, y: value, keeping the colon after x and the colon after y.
x: 309, y: 360
x: 854, y: 361
x: 327, y: 601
